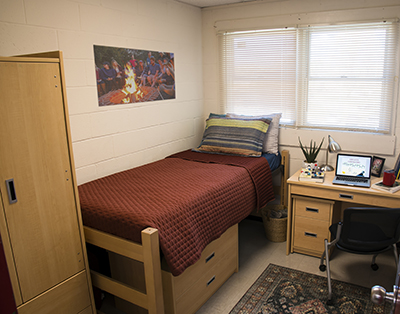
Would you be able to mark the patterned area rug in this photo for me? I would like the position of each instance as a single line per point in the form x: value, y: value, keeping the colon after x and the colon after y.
x: 284, y: 290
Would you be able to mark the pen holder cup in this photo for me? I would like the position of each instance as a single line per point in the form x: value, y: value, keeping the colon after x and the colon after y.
x: 388, y: 177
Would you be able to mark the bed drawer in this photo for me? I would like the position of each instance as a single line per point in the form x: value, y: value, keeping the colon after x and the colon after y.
x: 187, y: 292
x: 206, y: 286
x: 213, y: 254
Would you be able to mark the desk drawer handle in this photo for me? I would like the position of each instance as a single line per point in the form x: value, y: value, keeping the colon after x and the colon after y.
x: 348, y: 197
x: 314, y: 210
x: 210, y: 257
x: 210, y: 281
x: 309, y: 234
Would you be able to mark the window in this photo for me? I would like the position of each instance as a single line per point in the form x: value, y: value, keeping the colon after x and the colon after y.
x: 337, y: 77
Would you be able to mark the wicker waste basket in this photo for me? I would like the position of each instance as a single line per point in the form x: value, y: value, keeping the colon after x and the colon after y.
x: 275, y: 222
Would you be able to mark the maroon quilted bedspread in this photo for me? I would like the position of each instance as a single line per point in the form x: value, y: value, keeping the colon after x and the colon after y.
x: 191, y: 198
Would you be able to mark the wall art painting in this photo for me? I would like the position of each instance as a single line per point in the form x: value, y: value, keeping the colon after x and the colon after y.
x: 126, y: 76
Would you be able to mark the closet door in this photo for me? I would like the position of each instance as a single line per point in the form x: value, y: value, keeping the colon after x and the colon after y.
x: 35, y: 177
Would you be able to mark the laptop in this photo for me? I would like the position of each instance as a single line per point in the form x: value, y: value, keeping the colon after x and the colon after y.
x: 353, y: 170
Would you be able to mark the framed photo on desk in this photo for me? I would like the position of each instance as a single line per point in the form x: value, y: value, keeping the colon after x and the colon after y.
x: 377, y: 166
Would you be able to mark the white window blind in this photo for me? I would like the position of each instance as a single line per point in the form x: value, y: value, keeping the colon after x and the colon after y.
x: 330, y: 77
x: 258, y: 70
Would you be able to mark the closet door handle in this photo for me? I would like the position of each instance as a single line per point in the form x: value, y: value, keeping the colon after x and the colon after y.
x: 12, y: 196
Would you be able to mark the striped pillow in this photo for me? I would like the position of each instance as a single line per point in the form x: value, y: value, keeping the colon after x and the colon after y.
x: 241, y: 137
x: 271, y: 142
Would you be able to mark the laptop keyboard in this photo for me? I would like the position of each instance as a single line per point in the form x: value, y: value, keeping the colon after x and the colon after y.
x: 355, y: 179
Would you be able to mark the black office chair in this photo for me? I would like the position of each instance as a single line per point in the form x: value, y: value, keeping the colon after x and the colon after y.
x: 363, y: 231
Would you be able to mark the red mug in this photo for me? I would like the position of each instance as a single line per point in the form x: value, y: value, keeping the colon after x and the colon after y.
x: 388, y: 177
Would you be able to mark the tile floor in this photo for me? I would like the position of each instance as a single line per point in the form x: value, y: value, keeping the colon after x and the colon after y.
x: 256, y: 252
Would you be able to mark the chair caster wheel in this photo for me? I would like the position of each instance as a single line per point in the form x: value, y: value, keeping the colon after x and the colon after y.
x: 374, y: 267
x: 329, y: 302
x: 322, y: 267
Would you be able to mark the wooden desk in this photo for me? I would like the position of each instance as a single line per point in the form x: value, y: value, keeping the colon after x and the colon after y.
x: 313, y: 207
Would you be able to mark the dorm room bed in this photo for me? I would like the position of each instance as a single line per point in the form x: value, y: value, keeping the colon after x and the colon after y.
x: 189, y: 205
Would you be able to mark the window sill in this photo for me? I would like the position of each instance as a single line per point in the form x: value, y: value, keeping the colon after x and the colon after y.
x: 364, y: 143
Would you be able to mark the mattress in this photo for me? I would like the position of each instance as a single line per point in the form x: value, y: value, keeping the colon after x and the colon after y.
x: 191, y: 198
x: 274, y: 160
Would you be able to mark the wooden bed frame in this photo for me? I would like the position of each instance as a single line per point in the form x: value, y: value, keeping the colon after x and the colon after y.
x: 139, y: 278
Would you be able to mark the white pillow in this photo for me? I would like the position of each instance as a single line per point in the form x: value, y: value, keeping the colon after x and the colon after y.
x: 271, y: 141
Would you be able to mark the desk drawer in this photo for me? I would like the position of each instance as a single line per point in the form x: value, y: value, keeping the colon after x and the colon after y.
x: 312, y: 208
x: 309, y: 234
x: 352, y: 195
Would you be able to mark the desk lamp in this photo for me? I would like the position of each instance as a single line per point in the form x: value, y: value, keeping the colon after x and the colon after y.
x: 333, y: 147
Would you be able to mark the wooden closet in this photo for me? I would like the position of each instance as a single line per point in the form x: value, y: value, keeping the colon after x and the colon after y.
x: 40, y: 219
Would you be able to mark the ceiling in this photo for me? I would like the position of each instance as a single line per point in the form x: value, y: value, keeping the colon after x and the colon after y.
x: 211, y: 3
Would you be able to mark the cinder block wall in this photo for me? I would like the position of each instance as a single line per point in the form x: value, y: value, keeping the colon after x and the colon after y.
x: 115, y: 138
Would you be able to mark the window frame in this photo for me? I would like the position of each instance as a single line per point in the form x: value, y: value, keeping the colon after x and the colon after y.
x: 297, y: 123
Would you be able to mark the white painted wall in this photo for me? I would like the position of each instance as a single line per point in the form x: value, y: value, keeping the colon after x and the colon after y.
x: 280, y: 13
x: 111, y: 139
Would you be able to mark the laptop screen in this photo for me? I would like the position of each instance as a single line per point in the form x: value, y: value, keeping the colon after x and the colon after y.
x: 353, y: 166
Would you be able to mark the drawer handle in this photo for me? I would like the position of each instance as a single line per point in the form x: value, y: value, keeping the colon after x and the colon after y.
x: 314, y: 210
x: 348, y: 197
x: 309, y: 234
x: 210, y: 281
x: 210, y: 257
x: 12, y: 196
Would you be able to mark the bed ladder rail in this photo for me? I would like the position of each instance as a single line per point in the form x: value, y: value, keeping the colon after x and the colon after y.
x: 148, y: 253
